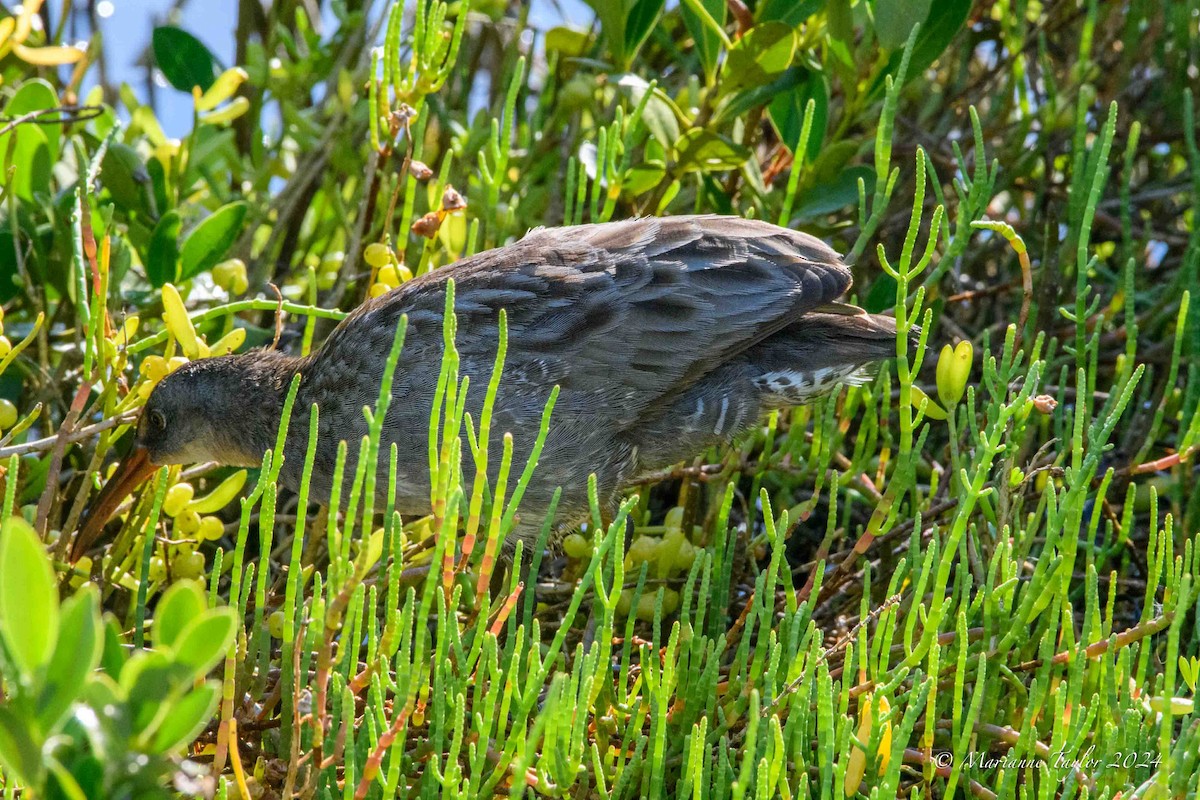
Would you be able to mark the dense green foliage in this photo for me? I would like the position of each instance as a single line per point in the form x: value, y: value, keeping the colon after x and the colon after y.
x: 976, y: 574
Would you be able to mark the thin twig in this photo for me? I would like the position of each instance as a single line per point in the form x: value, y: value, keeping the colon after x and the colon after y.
x: 69, y: 114
x: 70, y: 437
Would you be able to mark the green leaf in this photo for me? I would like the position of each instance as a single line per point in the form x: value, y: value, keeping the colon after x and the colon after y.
x: 642, y: 178
x: 703, y: 151
x: 180, y: 604
x: 946, y: 18
x: 708, y: 42
x: 639, y: 21
x: 113, y: 656
x: 833, y: 160
x: 827, y: 198
x: 660, y: 114
x: 20, y: 752
x: 34, y: 146
x: 611, y: 14
x: 125, y: 176
x: 188, y: 717
x: 882, y: 294
x: 205, y: 640
x: 760, y: 56
x: 568, y: 41
x: 162, y: 257
x: 787, y: 113
x: 734, y: 105
x: 791, y: 12
x: 839, y: 20
x: 894, y: 20
x: 183, y: 59
x: 35, y: 95
x: 76, y: 655
x: 207, y: 244
x: 30, y: 163
x: 149, y: 679
x: 28, y: 599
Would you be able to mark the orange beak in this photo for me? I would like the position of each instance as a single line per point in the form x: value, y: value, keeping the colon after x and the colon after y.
x: 130, y: 474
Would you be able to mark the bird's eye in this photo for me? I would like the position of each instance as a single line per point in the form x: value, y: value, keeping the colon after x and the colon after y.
x: 158, y: 420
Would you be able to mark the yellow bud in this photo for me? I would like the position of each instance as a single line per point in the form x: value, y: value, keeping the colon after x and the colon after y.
x: 377, y: 254
x: 378, y: 290
x: 167, y: 150
x: 177, y: 321
x: 668, y: 552
x: 187, y: 523
x: 576, y: 546
x: 646, y: 603
x: 332, y: 262
x: 178, y: 496
x: 953, y: 369
x: 222, y: 89
x: 50, y: 56
x: 932, y: 409
x: 158, y: 569
x: 234, y: 109
x: 389, y: 276
x: 229, y: 342
x: 8, y: 414
x: 643, y: 548
x: 858, y: 757
x: 5, y: 346
x: 175, y: 363
x: 123, y: 336
x: 454, y: 231
x: 275, y: 625
x: 188, y: 564
x: 231, y: 276
x: 1179, y: 706
x: 674, y: 519
x: 154, y: 368
x: 221, y: 496
x: 211, y: 529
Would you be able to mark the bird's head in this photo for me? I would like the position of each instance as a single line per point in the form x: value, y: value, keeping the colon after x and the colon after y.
x: 223, y: 409
x: 218, y: 409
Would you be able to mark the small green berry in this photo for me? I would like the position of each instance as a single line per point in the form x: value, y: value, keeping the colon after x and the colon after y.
x: 178, y: 496
x: 188, y: 564
x: 377, y: 254
x: 8, y: 414
x: 576, y: 546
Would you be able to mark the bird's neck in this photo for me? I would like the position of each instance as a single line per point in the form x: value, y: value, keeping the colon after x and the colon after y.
x: 265, y: 378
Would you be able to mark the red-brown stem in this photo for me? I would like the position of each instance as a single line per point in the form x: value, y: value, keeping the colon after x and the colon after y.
x: 375, y: 760
x: 448, y: 574
x: 294, y: 755
x: 1097, y: 649
x: 487, y: 565
x: 1026, y: 295
x: 60, y: 448
x: 1166, y: 462
x: 509, y: 604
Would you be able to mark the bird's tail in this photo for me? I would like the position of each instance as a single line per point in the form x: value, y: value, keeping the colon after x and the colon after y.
x: 835, y: 345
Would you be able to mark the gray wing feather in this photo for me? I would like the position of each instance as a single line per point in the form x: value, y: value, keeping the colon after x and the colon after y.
x: 622, y: 313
